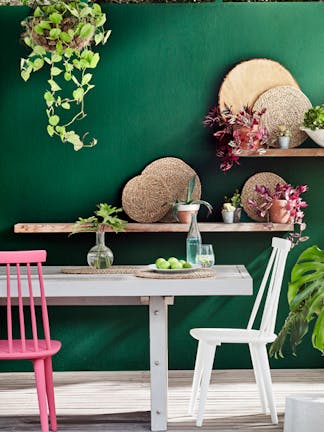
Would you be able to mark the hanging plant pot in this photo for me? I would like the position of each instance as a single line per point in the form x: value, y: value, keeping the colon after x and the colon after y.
x: 60, y: 35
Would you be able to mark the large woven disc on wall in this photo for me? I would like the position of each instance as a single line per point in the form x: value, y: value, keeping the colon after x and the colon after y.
x: 285, y: 106
x: 249, y: 79
x: 177, y: 174
x: 143, y: 198
x: 268, y: 179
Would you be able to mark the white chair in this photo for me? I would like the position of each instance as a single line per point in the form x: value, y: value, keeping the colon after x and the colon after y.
x: 210, y: 338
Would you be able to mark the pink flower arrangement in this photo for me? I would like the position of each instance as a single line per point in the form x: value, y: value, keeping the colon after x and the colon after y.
x: 294, y: 206
x: 235, y: 132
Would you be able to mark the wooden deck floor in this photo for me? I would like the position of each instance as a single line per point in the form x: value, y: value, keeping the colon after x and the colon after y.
x: 119, y: 401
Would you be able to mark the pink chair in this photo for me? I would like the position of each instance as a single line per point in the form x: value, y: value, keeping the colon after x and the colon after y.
x: 39, y: 351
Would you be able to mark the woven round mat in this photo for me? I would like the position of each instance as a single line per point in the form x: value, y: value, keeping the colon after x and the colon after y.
x: 268, y: 179
x: 177, y: 174
x: 109, y: 270
x: 144, y: 196
x: 192, y: 275
x: 286, y: 106
x: 249, y: 79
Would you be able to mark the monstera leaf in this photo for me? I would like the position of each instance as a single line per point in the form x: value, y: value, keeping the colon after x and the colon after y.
x: 306, y: 302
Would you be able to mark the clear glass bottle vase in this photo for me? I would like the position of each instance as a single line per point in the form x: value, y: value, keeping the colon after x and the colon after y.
x: 193, y: 241
x: 100, y: 256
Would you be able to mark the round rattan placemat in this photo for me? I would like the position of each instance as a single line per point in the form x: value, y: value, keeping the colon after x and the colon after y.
x: 144, y: 196
x: 286, y: 106
x: 177, y: 174
x: 197, y: 274
x: 268, y: 179
x: 249, y: 79
x: 109, y: 270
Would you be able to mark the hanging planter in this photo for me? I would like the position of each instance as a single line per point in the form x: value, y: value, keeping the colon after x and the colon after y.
x: 61, y: 35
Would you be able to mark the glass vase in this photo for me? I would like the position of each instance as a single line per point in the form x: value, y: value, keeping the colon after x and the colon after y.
x: 100, y: 256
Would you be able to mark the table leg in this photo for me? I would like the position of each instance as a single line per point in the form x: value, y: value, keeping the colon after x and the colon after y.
x: 159, y: 363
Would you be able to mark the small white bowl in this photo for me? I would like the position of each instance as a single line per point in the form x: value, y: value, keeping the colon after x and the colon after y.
x: 316, y: 135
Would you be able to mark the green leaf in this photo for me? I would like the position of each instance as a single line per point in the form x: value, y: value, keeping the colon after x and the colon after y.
x: 86, y: 30
x: 67, y: 76
x: 100, y: 21
x: 65, y: 37
x: 71, y: 33
x: 54, y: 86
x: 86, y: 79
x: 94, y: 61
x: 98, y: 38
x: 59, y: 48
x: 56, y: 71
x: 54, y: 120
x: 74, y: 139
x: 25, y: 74
x: 45, y: 25
x: 68, y: 52
x: 78, y: 94
x: 66, y: 105
x: 37, y: 12
x: 27, y: 41
x: 85, y: 12
x: 49, y: 97
x: 96, y: 8
x: 38, y: 63
x: 56, y: 18
x: 55, y: 33
x: 56, y: 58
x: 68, y: 67
x: 50, y: 130
x: 39, y: 50
x: 38, y: 29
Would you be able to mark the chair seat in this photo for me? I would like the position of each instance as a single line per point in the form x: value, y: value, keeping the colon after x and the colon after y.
x: 231, y: 335
x: 30, y: 353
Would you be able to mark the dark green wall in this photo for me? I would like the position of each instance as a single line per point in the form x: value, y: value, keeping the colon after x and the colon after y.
x: 158, y: 75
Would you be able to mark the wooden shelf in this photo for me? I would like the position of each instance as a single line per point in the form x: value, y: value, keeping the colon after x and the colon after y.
x: 293, y: 152
x: 48, y: 228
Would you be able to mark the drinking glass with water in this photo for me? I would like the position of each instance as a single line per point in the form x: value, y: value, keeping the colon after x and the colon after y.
x: 205, y: 256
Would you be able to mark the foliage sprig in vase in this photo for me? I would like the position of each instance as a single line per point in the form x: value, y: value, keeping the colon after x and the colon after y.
x: 60, y: 34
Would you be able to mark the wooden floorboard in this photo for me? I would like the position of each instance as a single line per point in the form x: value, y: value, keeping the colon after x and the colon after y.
x: 120, y: 401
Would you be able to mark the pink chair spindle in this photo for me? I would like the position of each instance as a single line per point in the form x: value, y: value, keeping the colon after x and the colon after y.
x: 44, y: 307
x: 32, y: 308
x: 9, y: 312
x: 21, y: 311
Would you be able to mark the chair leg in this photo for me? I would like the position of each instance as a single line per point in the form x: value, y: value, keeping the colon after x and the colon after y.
x: 50, y: 392
x: 265, y: 369
x: 208, y: 360
x: 258, y: 377
x: 41, y: 392
x: 196, y: 378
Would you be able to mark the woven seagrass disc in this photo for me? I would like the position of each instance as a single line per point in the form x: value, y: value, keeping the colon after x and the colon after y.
x: 143, y: 198
x: 285, y: 106
x: 176, y: 173
x: 268, y: 179
x: 249, y: 79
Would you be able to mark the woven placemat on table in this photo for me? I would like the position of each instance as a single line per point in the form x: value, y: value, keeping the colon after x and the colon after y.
x: 109, y: 270
x: 268, y: 179
x: 143, y: 198
x: 286, y: 106
x: 249, y: 79
x: 176, y: 173
x: 197, y: 274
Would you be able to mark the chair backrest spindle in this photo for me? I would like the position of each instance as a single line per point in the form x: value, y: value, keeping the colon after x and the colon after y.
x: 9, y: 311
x: 32, y: 308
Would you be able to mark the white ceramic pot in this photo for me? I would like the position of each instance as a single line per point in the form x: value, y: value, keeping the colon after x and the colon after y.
x: 228, y: 216
x: 184, y: 212
x: 284, y: 142
x: 316, y: 135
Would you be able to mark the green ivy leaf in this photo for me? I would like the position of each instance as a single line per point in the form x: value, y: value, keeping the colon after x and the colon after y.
x: 56, y: 58
x: 56, y: 71
x: 86, y: 79
x: 25, y: 74
x: 50, y: 130
x: 39, y: 50
x: 59, y: 48
x: 94, y: 61
x: 27, y: 41
x: 86, y: 30
x: 98, y: 38
x: 38, y: 29
x: 54, y: 86
x: 78, y: 94
x: 38, y: 64
x: 55, y: 17
x: 49, y: 97
x: 68, y: 52
x: 54, y: 120
x: 65, y: 37
x: 55, y: 33
x: 85, y: 12
x: 96, y: 8
x: 37, y: 12
x: 45, y: 25
x: 100, y: 21
x: 67, y: 76
x: 74, y: 139
x: 66, y: 105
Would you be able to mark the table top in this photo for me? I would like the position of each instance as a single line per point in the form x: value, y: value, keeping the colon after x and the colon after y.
x: 229, y: 280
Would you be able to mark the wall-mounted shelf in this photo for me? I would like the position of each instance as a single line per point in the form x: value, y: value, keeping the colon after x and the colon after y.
x: 292, y: 152
x: 48, y: 228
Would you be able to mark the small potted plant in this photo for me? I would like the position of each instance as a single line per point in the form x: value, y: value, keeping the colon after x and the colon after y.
x: 228, y: 212
x: 284, y: 135
x: 314, y: 124
x: 183, y: 209
x: 100, y: 256
x: 284, y: 205
x: 236, y: 132
x: 236, y: 202
x: 61, y: 35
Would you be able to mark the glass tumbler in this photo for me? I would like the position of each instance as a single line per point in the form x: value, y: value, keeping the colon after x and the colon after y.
x: 206, y: 257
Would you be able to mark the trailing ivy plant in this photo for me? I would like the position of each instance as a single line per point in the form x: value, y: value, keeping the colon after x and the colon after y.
x: 306, y: 302
x: 60, y: 34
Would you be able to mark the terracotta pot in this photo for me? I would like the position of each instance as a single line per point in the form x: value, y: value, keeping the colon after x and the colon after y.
x: 185, y: 211
x: 278, y: 212
x: 245, y: 138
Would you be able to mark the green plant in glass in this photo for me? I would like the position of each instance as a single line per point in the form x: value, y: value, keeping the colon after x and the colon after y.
x: 61, y: 34
x: 306, y: 303
x: 314, y: 118
x: 100, y: 256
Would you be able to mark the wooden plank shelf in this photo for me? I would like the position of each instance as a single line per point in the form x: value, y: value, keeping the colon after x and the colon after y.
x: 48, y: 228
x: 292, y: 152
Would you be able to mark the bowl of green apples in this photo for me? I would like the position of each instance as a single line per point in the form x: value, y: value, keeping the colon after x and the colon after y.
x: 173, y: 265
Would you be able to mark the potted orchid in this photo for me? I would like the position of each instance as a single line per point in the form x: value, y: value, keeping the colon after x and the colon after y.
x: 236, y: 132
x: 284, y: 205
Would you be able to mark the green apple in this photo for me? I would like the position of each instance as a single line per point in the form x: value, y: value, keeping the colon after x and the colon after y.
x: 159, y: 261
x: 176, y: 265
x: 186, y: 265
x: 182, y: 262
x: 173, y: 259
x: 164, y: 265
